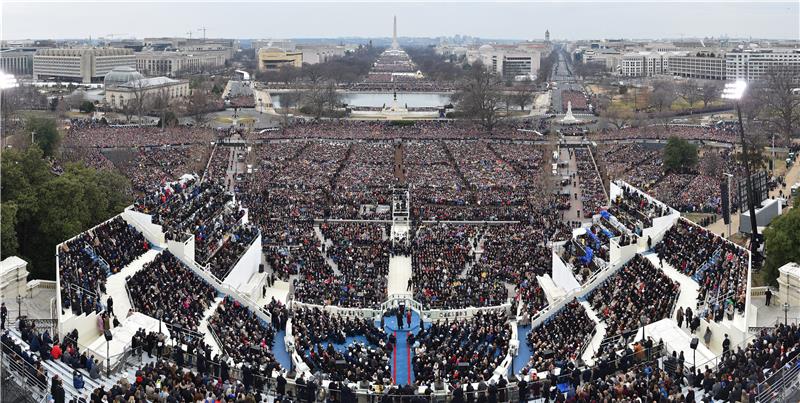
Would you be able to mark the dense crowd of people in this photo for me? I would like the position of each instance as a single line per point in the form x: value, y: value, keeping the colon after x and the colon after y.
x: 557, y: 342
x: 85, y: 262
x: 321, y: 337
x: 725, y: 134
x: 440, y: 257
x: 181, y: 207
x: 719, y: 266
x: 166, y: 289
x: 244, y: 338
x: 635, y: 211
x: 637, y: 291
x: 593, y: 195
x: 101, y: 136
x: 462, y: 350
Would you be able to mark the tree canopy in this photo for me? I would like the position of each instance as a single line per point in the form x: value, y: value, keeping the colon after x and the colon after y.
x: 480, y: 96
x: 41, y: 210
x: 679, y: 155
x: 45, y: 133
x: 782, y: 243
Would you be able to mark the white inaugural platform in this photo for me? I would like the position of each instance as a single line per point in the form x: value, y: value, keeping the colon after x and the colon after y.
x: 122, y: 336
x: 676, y: 339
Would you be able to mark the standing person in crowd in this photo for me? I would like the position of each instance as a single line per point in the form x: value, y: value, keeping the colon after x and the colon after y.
x: 767, y: 295
x: 4, y: 315
x: 688, y: 316
x: 57, y: 390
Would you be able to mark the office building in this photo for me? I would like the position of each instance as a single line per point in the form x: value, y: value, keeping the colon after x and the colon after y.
x: 169, y: 64
x: 18, y: 62
x: 272, y: 59
x: 85, y: 65
x: 701, y: 65
x: 751, y: 64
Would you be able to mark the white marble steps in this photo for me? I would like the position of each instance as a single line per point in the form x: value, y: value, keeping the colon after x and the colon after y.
x: 202, y: 328
x: 599, y: 335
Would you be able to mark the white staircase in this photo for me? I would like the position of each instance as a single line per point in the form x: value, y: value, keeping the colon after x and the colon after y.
x: 599, y: 334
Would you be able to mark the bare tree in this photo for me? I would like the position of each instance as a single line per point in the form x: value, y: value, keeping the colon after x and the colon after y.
x: 712, y: 163
x: 778, y: 95
x: 618, y: 117
x: 709, y: 93
x: 140, y: 98
x: 663, y: 95
x: 289, y: 100
x: 128, y: 110
x: 321, y: 98
x: 159, y: 103
x: 523, y: 94
x: 690, y: 92
x: 480, y: 96
x: 199, y: 105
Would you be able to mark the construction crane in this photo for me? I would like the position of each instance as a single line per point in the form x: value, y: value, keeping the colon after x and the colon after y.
x: 203, y: 28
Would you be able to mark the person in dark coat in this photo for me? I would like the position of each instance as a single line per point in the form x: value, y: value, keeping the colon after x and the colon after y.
x: 523, y: 390
x: 57, y: 390
x: 280, y: 385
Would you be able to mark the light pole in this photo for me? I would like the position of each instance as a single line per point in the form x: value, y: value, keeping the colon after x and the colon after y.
x: 785, y: 313
x: 730, y: 201
x: 735, y: 91
x: 19, y: 307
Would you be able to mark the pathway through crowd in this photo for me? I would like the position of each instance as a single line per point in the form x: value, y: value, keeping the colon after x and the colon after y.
x: 402, y: 370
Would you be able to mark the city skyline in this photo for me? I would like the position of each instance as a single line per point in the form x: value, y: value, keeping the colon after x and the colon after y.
x: 565, y: 21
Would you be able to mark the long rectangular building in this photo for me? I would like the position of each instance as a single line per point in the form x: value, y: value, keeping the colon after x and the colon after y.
x: 170, y: 64
x: 85, y: 65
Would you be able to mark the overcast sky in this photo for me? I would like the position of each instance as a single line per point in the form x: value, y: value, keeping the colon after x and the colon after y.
x: 575, y: 20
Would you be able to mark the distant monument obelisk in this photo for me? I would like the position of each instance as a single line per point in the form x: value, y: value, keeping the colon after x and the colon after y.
x: 569, y: 118
x: 395, y: 45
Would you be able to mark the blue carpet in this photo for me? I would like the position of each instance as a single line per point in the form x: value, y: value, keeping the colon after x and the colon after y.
x: 402, y: 370
x: 280, y: 350
x: 524, y: 354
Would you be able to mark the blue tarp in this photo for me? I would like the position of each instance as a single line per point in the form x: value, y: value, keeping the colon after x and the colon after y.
x: 588, y: 256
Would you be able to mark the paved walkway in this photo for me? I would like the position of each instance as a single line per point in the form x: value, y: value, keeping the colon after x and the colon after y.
x: 403, y: 354
x: 689, y: 288
x: 399, y: 275
x: 576, y: 205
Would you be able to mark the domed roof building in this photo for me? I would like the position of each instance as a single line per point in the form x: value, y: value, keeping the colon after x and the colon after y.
x: 121, y: 75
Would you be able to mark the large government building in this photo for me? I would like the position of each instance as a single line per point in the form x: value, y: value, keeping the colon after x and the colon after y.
x: 85, y: 65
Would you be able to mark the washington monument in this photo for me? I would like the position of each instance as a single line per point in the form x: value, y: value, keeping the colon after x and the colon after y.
x: 395, y: 45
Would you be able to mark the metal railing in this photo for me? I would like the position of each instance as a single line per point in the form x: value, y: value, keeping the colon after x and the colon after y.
x: 784, y: 380
x: 22, y: 370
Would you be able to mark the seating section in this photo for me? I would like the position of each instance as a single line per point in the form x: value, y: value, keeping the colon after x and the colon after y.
x: 719, y: 266
x: 558, y: 342
x: 321, y: 338
x: 638, y: 291
x: 465, y: 350
x: 86, y: 261
x: 167, y: 287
